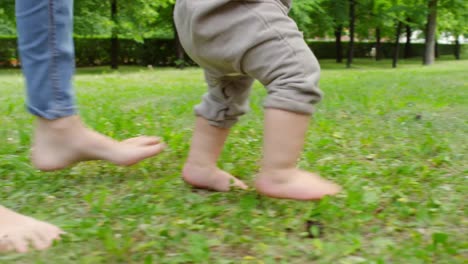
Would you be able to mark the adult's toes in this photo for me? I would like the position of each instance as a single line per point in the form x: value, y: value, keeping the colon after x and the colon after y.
x: 5, y: 245
x: 20, y: 244
x: 238, y: 184
x: 143, y: 141
x: 41, y: 242
x: 137, y: 154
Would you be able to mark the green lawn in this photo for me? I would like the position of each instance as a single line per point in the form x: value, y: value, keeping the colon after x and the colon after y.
x: 395, y: 139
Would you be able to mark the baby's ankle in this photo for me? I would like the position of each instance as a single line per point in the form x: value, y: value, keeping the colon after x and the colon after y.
x: 278, y: 167
x: 199, y: 164
x: 277, y: 174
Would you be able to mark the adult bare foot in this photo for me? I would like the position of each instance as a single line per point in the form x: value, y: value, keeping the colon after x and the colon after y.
x: 19, y: 232
x: 210, y: 178
x: 294, y: 184
x: 63, y: 142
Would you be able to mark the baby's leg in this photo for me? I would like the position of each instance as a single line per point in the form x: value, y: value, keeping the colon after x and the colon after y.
x: 201, y: 170
x: 220, y: 109
x: 19, y: 232
x: 283, y: 62
x: 279, y: 177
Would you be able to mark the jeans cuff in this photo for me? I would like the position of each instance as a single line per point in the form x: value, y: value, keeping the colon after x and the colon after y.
x: 52, y: 114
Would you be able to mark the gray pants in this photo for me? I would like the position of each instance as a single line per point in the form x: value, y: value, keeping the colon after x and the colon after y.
x: 237, y: 42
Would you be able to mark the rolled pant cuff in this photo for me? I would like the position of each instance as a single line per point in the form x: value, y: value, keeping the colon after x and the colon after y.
x: 214, y: 118
x: 222, y: 124
x: 53, y: 114
x: 289, y: 105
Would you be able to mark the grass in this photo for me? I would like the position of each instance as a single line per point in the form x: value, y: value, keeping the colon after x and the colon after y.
x: 395, y: 139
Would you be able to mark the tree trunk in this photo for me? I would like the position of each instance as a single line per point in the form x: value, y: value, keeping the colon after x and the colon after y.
x: 396, y: 51
x: 378, y: 44
x: 180, y: 52
x: 339, y: 48
x: 436, y: 49
x: 429, y: 54
x: 115, y: 37
x: 457, y: 48
x: 352, y: 22
x: 408, y: 41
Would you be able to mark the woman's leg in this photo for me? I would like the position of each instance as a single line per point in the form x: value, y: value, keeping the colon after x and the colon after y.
x: 45, y: 39
x: 47, y: 56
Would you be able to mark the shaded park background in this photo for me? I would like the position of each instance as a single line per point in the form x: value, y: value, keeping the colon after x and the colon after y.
x: 141, y: 32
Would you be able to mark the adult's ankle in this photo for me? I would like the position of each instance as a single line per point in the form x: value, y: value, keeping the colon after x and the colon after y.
x: 59, y: 123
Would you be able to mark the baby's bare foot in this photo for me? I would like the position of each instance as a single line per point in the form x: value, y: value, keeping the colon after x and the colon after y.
x: 210, y: 178
x: 294, y: 184
x: 19, y: 232
x: 63, y: 142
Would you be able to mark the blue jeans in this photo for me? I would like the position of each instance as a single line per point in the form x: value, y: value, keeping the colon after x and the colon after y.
x: 45, y: 40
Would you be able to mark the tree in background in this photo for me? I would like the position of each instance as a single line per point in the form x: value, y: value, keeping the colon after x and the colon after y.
x: 166, y: 15
x: 352, y: 26
x: 136, y: 18
x: 311, y: 17
x: 373, y: 20
x: 7, y: 17
x: 114, y: 36
x: 375, y: 15
x: 414, y: 21
x: 454, y: 21
x: 409, y: 33
x: 399, y: 12
x: 132, y: 19
x: 431, y: 26
x: 396, y: 49
x: 338, y: 15
x: 322, y: 18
